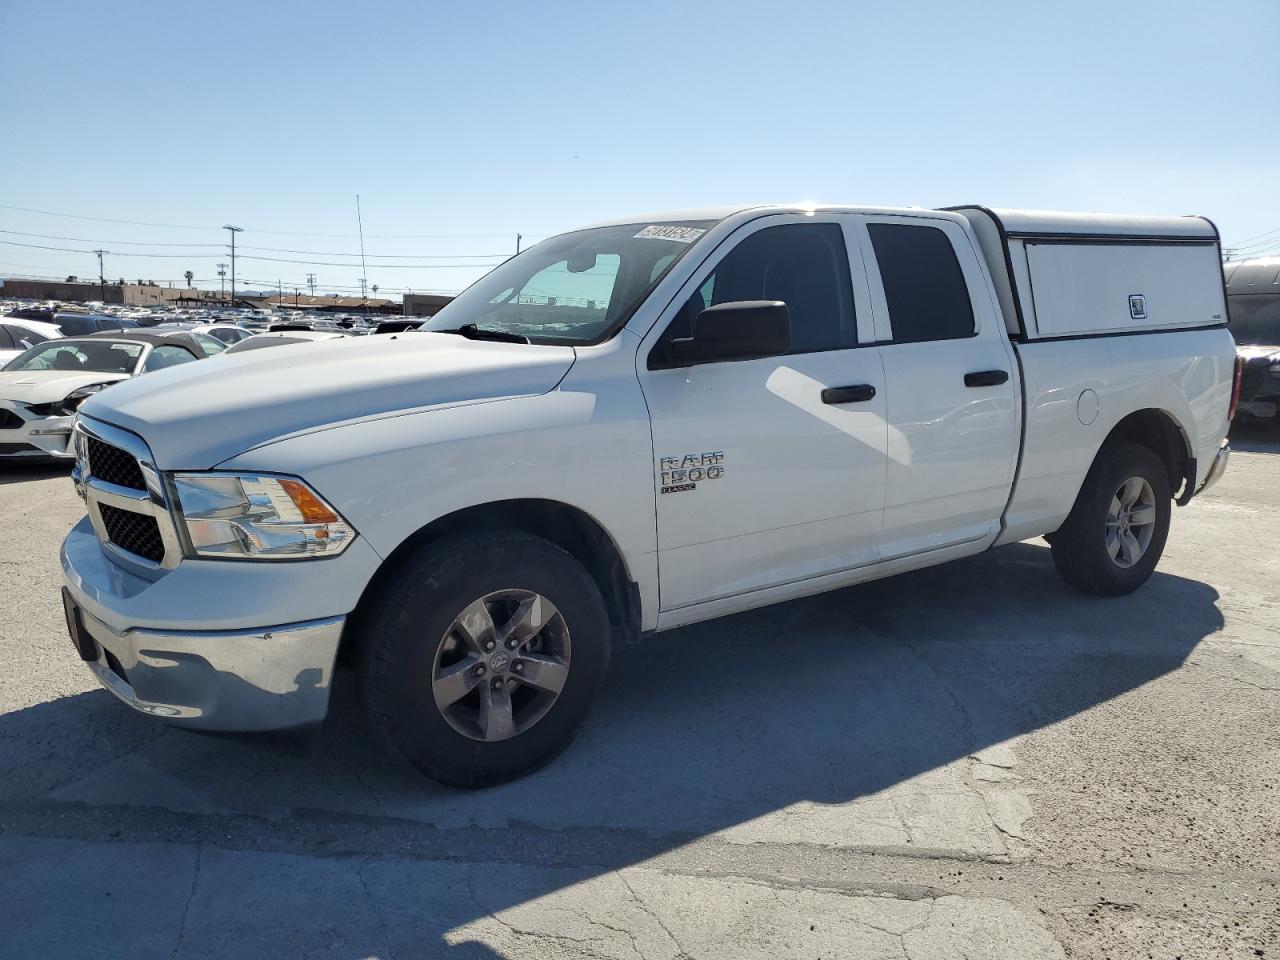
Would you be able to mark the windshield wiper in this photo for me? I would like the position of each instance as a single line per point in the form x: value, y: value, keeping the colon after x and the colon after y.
x: 472, y: 332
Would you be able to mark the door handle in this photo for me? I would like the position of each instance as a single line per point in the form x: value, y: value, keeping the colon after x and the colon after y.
x: 986, y: 378
x: 857, y: 393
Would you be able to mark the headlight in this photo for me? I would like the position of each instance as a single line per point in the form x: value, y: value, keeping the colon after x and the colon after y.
x: 247, y: 516
x: 69, y: 404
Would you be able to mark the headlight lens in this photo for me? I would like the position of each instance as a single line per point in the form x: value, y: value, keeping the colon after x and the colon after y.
x: 248, y: 516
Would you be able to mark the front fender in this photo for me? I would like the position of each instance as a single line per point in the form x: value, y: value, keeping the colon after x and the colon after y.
x: 393, y: 476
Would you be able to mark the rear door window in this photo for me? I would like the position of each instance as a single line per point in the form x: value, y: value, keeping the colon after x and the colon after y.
x: 924, y: 287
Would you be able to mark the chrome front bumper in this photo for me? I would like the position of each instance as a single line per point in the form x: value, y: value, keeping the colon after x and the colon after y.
x: 230, y: 680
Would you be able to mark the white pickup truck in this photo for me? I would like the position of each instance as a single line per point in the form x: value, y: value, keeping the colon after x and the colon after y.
x: 628, y: 428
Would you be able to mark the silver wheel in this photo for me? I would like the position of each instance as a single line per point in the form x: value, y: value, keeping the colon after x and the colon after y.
x: 1131, y: 522
x: 501, y: 665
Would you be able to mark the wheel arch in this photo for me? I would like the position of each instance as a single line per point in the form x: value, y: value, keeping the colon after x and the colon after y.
x: 568, y: 527
x: 1159, y: 431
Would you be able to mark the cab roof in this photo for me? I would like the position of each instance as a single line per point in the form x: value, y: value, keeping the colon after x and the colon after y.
x: 1031, y: 222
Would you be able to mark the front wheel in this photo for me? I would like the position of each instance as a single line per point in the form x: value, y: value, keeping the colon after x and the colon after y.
x: 482, y: 655
x: 1115, y: 533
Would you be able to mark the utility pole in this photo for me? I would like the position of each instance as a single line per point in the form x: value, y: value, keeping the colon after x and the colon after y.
x: 234, y: 231
x: 280, y: 294
x: 518, y: 238
x: 102, y: 280
x: 222, y: 281
x: 295, y: 298
x: 311, y: 283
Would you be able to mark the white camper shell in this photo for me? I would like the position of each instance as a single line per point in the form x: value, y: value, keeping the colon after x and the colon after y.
x: 1083, y: 274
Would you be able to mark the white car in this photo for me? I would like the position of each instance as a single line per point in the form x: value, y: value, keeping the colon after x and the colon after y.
x: 229, y: 334
x: 280, y: 338
x: 17, y: 335
x: 41, y: 388
x: 632, y: 427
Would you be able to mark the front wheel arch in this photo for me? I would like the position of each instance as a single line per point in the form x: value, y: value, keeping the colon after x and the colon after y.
x: 573, y: 530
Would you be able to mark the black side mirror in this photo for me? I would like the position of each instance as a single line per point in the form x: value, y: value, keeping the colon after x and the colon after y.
x: 740, y: 330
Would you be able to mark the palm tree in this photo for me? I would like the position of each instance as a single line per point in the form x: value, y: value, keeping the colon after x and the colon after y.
x: 189, y: 275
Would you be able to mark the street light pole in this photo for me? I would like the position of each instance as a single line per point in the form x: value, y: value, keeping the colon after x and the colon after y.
x: 234, y: 231
x: 102, y: 280
x: 222, y: 281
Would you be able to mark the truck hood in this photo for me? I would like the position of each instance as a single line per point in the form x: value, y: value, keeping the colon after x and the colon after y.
x: 196, y: 415
x: 46, y: 386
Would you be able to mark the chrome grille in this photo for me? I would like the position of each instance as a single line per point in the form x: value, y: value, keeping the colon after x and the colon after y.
x: 125, y: 498
x: 136, y: 532
x: 114, y: 465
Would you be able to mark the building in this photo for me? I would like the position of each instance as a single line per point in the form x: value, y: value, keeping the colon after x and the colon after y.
x: 75, y: 290
x: 71, y: 289
x: 332, y: 304
x: 425, y: 304
x: 150, y: 294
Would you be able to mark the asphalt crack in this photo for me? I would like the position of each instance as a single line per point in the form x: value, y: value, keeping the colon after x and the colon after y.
x: 186, y: 907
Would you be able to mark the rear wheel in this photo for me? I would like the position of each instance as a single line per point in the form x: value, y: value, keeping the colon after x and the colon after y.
x: 481, y: 656
x: 1116, y: 532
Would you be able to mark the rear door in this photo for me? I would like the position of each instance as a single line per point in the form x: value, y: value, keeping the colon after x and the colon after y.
x: 769, y: 471
x: 953, y: 404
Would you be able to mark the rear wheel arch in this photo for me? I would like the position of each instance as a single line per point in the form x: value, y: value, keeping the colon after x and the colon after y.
x: 1159, y: 431
x: 568, y: 527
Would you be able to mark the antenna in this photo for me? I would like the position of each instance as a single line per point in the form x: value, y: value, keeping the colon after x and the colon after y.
x: 363, y: 270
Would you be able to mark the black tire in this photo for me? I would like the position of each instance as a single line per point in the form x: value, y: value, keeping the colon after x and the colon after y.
x: 406, y: 621
x: 1080, y: 551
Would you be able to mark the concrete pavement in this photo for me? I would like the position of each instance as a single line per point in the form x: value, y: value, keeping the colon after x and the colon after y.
x: 969, y: 761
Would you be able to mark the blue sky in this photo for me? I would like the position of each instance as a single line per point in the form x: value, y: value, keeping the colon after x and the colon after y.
x: 465, y: 123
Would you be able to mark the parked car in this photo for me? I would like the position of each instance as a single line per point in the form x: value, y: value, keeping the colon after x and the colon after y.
x: 399, y: 326
x: 41, y: 388
x: 227, y: 334
x: 633, y: 427
x: 282, y: 338
x: 1253, y: 297
x: 17, y: 335
x: 83, y: 324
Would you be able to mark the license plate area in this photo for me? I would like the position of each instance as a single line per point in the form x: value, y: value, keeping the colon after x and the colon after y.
x: 85, y: 645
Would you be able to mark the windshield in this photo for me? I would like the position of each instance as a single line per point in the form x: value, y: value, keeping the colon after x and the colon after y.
x: 574, y: 288
x: 80, y: 356
x: 1255, y: 319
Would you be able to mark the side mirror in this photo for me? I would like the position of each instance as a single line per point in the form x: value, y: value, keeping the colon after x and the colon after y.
x: 740, y: 330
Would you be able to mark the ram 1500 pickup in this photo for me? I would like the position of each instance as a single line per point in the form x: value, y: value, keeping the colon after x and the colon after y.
x: 628, y: 428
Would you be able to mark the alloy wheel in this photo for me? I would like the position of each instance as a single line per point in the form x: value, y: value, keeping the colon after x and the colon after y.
x: 1131, y: 522
x: 501, y: 665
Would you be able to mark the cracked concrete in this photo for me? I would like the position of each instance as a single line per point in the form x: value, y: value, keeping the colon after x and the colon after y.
x: 970, y: 761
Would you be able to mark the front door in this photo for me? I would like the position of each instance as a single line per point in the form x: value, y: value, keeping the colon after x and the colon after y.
x: 771, y: 470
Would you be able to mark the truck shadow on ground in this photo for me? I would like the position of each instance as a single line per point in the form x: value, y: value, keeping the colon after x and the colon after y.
x: 699, y: 731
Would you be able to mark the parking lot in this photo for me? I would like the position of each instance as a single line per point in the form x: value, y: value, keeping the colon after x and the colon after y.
x: 967, y: 761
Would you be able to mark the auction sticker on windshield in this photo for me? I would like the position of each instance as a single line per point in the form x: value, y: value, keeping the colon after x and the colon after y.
x: 669, y: 232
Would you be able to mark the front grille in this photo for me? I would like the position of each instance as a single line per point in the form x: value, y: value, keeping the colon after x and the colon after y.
x: 138, y: 533
x: 114, y: 465
x: 10, y: 420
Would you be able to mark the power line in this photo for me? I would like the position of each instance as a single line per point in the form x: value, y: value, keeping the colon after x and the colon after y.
x: 150, y: 256
x: 1247, y: 241
x: 131, y: 243
x: 291, y: 233
x: 241, y: 256
x: 317, y: 253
